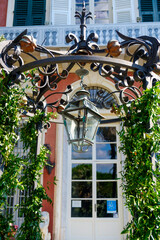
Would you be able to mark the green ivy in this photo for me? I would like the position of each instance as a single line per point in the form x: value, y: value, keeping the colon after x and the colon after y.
x: 10, y: 102
x: 31, y: 166
x: 30, y: 207
x: 140, y: 136
x: 2, y: 38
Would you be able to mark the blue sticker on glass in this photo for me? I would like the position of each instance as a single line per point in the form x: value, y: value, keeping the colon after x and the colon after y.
x: 111, y: 206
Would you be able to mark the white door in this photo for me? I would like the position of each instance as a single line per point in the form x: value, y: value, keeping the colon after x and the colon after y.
x: 95, y: 201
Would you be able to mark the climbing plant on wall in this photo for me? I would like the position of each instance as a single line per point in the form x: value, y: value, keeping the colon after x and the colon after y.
x: 10, y: 101
x: 140, y: 137
x: 29, y: 167
x: 32, y: 169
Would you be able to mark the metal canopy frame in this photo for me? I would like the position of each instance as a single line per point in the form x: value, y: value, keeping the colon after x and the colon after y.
x: 84, y: 50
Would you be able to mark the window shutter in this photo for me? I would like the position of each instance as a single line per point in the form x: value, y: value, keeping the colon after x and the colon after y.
x: 20, y: 12
x: 38, y: 12
x: 146, y: 10
x: 60, y: 12
x: 158, y: 7
x: 146, y: 5
x: 29, y: 12
x: 123, y: 16
x: 122, y: 11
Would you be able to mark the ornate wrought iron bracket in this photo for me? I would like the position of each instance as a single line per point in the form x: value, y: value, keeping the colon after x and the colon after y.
x: 84, y: 51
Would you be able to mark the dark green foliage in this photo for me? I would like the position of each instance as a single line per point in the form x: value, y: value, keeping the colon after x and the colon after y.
x: 140, y: 136
x: 11, y: 102
x: 31, y: 176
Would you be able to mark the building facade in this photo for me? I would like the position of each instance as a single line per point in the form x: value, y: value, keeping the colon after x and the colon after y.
x: 87, y: 200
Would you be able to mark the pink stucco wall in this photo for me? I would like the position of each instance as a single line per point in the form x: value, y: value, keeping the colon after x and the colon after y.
x: 3, y: 15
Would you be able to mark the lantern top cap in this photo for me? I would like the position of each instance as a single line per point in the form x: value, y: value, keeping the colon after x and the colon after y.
x: 82, y: 93
x: 82, y: 72
x: 82, y: 96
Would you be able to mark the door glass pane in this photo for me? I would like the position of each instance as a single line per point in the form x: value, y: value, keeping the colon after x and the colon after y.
x: 106, y: 151
x: 106, y: 134
x: 105, y: 177
x: 106, y: 171
x: 106, y: 189
x: 107, y: 208
x: 81, y: 171
x: 81, y: 189
x: 84, y: 155
x: 82, y: 208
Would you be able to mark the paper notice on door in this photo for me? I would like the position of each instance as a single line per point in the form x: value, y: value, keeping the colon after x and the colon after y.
x: 76, y: 204
x: 111, y: 206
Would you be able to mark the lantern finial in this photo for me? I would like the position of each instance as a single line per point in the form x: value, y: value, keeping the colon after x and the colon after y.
x: 81, y: 73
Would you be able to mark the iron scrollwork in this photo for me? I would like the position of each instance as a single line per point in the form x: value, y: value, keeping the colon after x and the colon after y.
x: 142, y: 53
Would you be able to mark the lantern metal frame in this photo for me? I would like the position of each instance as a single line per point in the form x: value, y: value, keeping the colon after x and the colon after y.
x: 77, y: 111
x: 84, y: 105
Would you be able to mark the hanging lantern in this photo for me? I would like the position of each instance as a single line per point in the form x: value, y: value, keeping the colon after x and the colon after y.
x: 81, y: 119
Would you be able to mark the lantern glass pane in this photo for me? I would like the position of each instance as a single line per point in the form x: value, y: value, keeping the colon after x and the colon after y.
x: 71, y: 126
x: 77, y: 114
x: 72, y: 105
x: 80, y: 146
x: 91, y: 126
x: 75, y: 128
x: 74, y: 113
x: 76, y: 125
x: 80, y: 130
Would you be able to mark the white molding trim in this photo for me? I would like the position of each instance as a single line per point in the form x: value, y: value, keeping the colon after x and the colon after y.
x: 58, y: 188
x: 10, y: 13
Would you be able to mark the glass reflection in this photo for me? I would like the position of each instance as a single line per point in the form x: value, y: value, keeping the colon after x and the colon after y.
x: 96, y: 1
x: 81, y: 171
x: 83, y: 210
x: 106, y: 134
x: 92, y: 125
x: 102, y: 210
x: 81, y: 189
x: 71, y: 127
x: 106, y: 171
x: 106, y: 189
x: 84, y: 155
x: 106, y: 151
